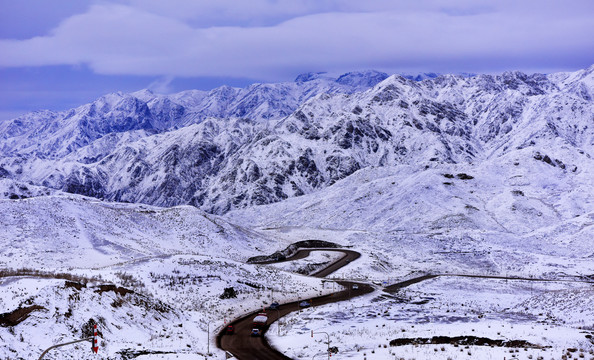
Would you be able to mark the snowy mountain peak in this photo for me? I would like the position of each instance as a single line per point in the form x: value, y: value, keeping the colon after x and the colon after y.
x: 394, y: 80
x: 360, y: 79
x: 421, y: 76
x: 145, y: 95
x: 305, y: 77
x: 224, y: 90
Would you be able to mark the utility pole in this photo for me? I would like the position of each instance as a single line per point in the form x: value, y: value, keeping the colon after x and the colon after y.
x: 278, y: 320
x: 323, y: 332
x: 207, y: 338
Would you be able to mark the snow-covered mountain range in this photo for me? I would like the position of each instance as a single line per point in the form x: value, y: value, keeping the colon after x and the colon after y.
x: 231, y: 148
x: 50, y: 134
x: 472, y: 175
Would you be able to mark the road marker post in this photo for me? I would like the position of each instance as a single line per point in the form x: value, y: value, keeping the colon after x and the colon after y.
x: 95, y: 340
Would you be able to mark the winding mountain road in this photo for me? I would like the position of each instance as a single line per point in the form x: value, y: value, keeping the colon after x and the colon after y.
x: 243, y: 346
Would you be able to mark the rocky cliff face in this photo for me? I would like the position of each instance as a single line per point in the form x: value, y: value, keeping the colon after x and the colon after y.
x: 232, y: 148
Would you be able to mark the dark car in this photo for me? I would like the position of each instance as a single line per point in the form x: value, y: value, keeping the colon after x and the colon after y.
x: 255, y: 332
x: 274, y: 306
x: 230, y: 330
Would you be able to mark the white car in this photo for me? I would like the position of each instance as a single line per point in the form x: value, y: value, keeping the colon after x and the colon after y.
x: 305, y: 303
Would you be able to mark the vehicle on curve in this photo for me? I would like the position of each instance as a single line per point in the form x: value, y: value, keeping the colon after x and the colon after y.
x: 260, y: 321
x: 273, y: 306
x: 256, y: 332
x: 229, y: 330
x: 305, y: 303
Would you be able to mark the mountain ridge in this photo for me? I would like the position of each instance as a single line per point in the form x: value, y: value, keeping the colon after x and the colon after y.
x: 278, y: 143
x: 143, y: 109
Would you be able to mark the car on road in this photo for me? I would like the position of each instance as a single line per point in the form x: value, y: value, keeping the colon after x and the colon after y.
x: 260, y: 321
x: 230, y: 330
x: 256, y: 332
x: 355, y: 287
x: 305, y: 303
x: 274, y: 306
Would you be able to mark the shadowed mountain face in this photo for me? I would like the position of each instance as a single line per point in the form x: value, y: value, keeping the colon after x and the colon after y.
x: 232, y: 148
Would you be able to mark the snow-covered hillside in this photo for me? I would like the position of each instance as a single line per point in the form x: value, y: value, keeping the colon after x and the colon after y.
x: 152, y: 278
x: 92, y: 234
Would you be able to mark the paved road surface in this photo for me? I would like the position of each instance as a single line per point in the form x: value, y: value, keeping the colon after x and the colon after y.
x: 395, y: 287
x: 245, y: 347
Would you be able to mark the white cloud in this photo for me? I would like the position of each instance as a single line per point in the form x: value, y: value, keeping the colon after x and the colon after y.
x: 162, y: 85
x: 149, y: 38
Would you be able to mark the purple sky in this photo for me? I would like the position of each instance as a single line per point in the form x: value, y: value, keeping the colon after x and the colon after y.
x: 60, y: 54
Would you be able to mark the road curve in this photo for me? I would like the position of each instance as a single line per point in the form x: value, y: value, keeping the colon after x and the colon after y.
x: 243, y: 346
